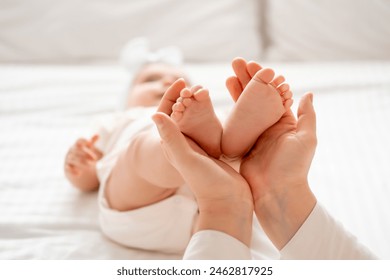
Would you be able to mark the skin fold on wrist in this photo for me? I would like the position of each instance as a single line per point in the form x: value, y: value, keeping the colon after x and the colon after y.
x: 282, y: 214
x: 232, y: 219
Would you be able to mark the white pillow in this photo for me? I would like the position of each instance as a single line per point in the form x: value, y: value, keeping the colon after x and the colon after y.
x: 328, y: 29
x: 73, y: 30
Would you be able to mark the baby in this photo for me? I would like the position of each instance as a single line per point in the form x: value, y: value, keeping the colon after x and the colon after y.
x: 143, y: 200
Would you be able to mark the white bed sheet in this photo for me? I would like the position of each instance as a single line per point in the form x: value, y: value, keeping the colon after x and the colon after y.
x: 43, y: 109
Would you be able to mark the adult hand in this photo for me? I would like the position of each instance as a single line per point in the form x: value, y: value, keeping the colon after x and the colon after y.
x: 223, y: 196
x: 277, y: 168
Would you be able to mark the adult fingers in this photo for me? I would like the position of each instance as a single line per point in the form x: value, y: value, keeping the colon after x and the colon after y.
x: 174, y: 143
x: 306, y: 125
x: 234, y: 87
x: 253, y: 67
x: 240, y: 69
x: 170, y: 96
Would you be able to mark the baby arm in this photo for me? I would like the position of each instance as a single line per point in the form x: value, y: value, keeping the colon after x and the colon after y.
x: 80, y: 164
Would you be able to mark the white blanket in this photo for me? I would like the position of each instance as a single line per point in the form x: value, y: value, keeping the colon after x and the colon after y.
x: 43, y: 109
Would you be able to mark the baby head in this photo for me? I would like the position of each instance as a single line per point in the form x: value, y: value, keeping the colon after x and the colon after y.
x: 151, y: 82
x: 153, y: 71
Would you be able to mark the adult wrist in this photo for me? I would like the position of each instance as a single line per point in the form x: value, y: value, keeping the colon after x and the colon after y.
x: 234, y: 219
x: 283, y: 211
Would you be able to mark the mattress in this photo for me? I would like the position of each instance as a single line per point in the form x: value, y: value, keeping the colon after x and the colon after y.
x: 44, y: 108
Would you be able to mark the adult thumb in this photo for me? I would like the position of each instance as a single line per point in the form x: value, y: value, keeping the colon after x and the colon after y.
x: 174, y: 143
x: 307, y: 117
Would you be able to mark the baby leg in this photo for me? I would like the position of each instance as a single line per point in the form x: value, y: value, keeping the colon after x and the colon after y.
x: 194, y: 114
x: 262, y: 102
x: 142, y: 175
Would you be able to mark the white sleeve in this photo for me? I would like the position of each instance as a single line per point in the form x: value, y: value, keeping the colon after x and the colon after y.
x: 215, y: 245
x: 322, y: 237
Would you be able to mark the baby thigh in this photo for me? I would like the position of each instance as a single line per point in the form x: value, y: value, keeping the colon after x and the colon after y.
x: 142, y: 175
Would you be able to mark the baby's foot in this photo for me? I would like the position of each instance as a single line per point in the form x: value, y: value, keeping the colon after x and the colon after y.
x: 194, y: 114
x: 261, y: 104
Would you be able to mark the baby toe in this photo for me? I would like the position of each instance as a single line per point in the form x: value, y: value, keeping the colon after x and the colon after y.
x: 278, y: 81
x: 287, y: 95
x: 178, y: 107
x: 195, y: 88
x: 186, y: 102
x: 177, y: 116
x: 265, y: 75
x: 202, y: 95
x: 288, y: 103
x: 283, y: 88
x: 185, y: 93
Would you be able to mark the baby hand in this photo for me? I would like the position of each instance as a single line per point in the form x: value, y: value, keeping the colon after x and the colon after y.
x: 82, y: 156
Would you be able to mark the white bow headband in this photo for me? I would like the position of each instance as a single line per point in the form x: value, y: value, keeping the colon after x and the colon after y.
x: 136, y: 53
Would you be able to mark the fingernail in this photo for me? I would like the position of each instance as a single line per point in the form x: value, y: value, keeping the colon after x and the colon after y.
x: 310, y: 96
